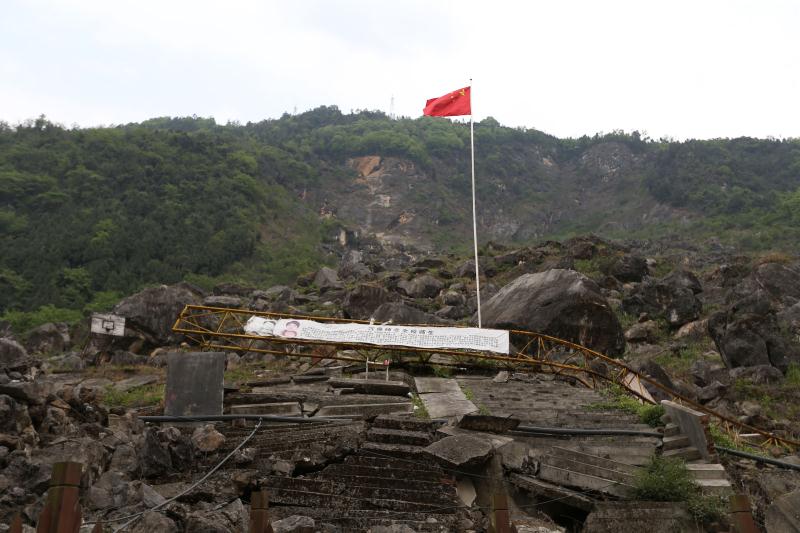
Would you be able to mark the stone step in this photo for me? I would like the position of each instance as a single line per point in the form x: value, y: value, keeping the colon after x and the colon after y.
x: 372, y: 386
x: 407, y: 423
x: 357, y: 520
x: 402, y: 451
x: 707, y: 471
x: 592, y: 470
x: 689, y: 453
x: 571, y: 478
x: 440, y: 495
x: 714, y: 486
x: 392, y: 482
x: 581, y: 457
x: 678, y: 441
x: 672, y: 430
x: 405, y: 473
x: 365, y: 410
x: 399, y: 436
x: 370, y: 459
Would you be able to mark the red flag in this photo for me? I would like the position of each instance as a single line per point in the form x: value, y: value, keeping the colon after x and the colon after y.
x: 450, y: 105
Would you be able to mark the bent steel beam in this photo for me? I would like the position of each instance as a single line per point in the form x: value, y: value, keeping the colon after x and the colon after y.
x: 219, y: 328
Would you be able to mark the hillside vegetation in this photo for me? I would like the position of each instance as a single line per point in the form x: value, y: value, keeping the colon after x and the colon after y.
x: 88, y: 215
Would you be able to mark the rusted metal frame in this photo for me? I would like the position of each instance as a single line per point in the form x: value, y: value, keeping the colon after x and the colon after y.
x: 542, y: 338
x: 670, y: 392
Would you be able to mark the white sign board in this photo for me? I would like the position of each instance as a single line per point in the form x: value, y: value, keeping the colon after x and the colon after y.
x: 491, y: 340
x: 108, y: 325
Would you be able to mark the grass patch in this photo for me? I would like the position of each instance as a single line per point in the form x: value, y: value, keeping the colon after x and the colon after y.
x: 138, y: 397
x: 420, y: 411
x: 618, y: 399
x: 668, y: 480
x: 679, y: 363
x: 442, y: 371
x: 725, y: 440
x: 468, y: 394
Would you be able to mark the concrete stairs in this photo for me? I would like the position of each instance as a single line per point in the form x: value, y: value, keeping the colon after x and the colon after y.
x: 547, y: 402
x: 583, y: 471
x: 711, y: 477
x: 387, y: 481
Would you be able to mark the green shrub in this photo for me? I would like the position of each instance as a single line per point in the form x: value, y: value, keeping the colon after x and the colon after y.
x: 651, y: 414
x: 668, y: 480
x: 664, y: 480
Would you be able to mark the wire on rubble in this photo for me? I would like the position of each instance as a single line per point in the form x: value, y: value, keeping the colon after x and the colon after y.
x: 135, y: 516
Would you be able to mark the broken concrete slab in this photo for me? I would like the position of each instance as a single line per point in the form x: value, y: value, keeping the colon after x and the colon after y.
x: 134, y: 382
x: 429, y: 385
x: 447, y: 404
x: 553, y: 492
x: 653, y: 517
x: 372, y: 386
x: 274, y: 409
x: 460, y: 451
x: 497, y: 441
x: 194, y: 383
x: 491, y: 424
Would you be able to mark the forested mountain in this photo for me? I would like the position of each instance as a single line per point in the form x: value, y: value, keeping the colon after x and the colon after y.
x: 87, y: 215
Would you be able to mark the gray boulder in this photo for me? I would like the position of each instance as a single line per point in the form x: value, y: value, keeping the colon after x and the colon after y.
x: 232, y: 302
x: 12, y: 355
x: 400, y: 313
x: 668, y: 298
x: 152, y: 312
x: 560, y: 303
x: 424, y: 286
x: 327, y: 279
x: 748, y: 334
x: 48, y: 339
x: 643, y: 332
x: 361, y: 302
x: 628, y: 268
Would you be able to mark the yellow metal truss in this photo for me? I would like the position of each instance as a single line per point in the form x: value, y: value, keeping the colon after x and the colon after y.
x: 218, y: 328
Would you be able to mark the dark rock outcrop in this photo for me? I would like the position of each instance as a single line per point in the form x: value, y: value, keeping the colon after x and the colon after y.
x: 561, y: 303
x: 152, y: 312
x: 400, y: 313
x: 48, y: 339
x: 747, y: 334
x: 669, y: 297
x: 13, y: 355
x: 327, y: 279
x: 424, y: 286
x: 628, y: 268
x: 361, y: 302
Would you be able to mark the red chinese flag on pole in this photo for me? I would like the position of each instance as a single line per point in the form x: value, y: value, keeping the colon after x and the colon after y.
x: 450, y: 105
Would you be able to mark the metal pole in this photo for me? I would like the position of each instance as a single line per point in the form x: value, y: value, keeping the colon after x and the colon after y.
x: 474, y: 214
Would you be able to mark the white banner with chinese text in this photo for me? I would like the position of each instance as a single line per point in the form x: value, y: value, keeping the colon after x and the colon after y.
x: 479, y: 339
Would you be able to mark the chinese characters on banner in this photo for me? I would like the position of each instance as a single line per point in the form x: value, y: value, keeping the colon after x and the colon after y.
x: 492, y: 340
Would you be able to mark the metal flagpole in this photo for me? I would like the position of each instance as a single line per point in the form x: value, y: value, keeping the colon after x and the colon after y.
x: 474, y: 215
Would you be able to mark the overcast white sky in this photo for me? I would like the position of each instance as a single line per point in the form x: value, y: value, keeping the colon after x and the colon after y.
x: 677, y: 68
